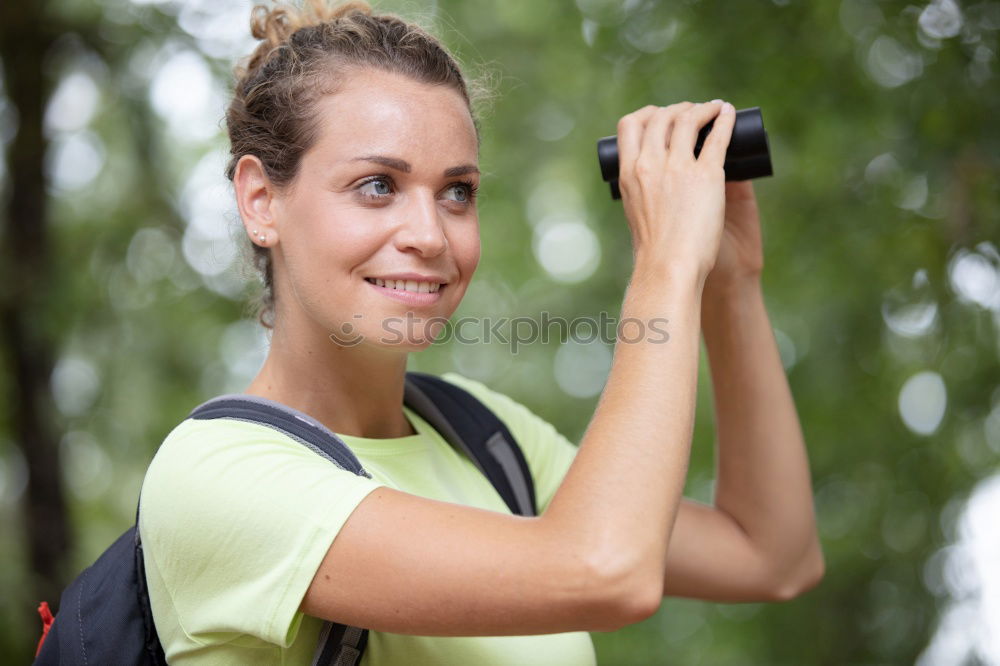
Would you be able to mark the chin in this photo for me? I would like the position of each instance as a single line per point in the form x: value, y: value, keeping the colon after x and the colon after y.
x: 413, y: 346
x: 394, y: 336
x: 411, y: 331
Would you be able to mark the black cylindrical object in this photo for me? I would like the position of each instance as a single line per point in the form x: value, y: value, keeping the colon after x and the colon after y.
x: 748, y: 155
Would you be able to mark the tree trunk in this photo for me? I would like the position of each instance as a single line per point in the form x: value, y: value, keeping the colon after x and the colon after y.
x: 25, y: 281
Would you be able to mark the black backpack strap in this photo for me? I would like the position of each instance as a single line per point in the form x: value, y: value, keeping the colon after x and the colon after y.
x: 340, y: 645
x: 152, y: 641
x: 473, y: 428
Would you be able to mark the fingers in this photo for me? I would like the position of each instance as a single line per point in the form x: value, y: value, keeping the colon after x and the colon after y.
x: 713, y: 151
x: 630, y: 130
x: 654, y: 135
x: 675, y: 204
x: 657, y: 137
x: 686, y: 128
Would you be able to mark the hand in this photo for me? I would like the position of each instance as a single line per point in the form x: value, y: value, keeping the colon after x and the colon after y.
x: 741, y: 253
x: 675, y: 203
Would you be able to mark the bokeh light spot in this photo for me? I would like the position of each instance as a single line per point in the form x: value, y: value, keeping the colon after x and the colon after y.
x: 582, y: 368
x: 922, y: 402
x: 567, y: 249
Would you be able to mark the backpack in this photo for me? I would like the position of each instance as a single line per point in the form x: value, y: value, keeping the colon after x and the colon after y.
x: 104, y: 614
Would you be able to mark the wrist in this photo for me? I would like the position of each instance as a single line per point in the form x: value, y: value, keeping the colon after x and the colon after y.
x: 657, y: 290
x: 733, y: 287
x: 725, y: 300
x: 654, y: 269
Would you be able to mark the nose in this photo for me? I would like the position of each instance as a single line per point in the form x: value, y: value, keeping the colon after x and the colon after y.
x: 421, y: 228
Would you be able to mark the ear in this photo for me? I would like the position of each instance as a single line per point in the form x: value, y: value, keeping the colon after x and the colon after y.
x: 255, y: 195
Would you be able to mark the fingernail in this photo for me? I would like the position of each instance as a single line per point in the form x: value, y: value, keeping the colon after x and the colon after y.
x: 715, y: 100
x: 727, y: 108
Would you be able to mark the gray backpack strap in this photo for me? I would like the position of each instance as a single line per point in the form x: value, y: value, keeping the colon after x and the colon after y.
x: 338, y: 644
x: 297, y: 425
x: 464, y: 421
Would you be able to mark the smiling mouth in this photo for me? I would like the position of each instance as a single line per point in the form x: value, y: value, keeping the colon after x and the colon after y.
x: 408, y: 285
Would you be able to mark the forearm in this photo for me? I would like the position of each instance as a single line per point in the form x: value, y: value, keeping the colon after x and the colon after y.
x: 620, y: 497
x: 763, y: 479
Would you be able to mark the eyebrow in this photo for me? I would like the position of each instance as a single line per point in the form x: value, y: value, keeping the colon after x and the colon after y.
x: 404, y: 166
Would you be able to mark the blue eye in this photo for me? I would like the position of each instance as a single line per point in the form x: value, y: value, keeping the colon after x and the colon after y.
x: 467, y: 191
x: 380, y: 188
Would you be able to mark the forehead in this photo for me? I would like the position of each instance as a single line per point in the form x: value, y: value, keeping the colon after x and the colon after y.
x: 375, y: 112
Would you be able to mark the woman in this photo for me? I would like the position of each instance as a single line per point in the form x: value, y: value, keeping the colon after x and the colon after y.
x: 354, y: 163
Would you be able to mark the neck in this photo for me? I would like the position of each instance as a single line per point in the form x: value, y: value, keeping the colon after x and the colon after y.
x: 356, y: 391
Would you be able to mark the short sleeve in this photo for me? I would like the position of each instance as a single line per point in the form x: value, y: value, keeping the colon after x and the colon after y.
x: 235, y: 519
x: 548, y: 453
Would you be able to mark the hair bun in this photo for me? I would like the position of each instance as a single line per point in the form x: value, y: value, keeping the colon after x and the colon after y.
x: 275, y: 25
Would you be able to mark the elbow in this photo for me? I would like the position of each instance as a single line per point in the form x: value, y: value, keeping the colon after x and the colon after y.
x: 633, y: 606
x: 626, y: 594
x: 802, y: 579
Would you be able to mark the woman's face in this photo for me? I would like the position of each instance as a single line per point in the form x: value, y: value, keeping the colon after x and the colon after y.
x: 379, y: 233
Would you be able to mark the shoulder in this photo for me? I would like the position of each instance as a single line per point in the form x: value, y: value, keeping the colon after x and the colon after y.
x: 243, y: 475
x: 212, y: 454
x: 235, y: 518
x: 224, y: 462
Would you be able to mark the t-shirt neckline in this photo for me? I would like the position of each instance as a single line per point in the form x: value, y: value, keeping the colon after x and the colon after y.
x: 418, y: 441
x: 414, y: 442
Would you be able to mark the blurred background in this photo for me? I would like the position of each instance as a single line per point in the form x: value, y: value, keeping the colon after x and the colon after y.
x: 123, y: 296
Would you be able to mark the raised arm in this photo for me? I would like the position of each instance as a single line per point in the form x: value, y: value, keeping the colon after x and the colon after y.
x: 596, y: 559
x: 759, y: 540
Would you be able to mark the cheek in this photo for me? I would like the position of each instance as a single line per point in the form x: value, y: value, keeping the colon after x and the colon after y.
x: 339, y: 239
x: 465, y: 246
x: 353, y: 243
x: 322, y: 248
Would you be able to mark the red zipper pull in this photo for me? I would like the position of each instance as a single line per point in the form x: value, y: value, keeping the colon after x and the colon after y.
x: 47, y: 620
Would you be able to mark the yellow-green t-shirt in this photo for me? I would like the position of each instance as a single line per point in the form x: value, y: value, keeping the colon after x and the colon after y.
x: 235, y: 519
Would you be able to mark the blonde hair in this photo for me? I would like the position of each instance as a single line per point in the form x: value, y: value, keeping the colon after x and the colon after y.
x: 303, y: 54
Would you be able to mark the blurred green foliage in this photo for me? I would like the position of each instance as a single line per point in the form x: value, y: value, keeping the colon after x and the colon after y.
x: 881, y: 226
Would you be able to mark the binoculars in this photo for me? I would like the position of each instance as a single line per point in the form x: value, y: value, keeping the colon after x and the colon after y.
x: 748, y: 155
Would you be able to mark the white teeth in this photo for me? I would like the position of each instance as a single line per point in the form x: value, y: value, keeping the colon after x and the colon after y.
x: 407, y: 285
